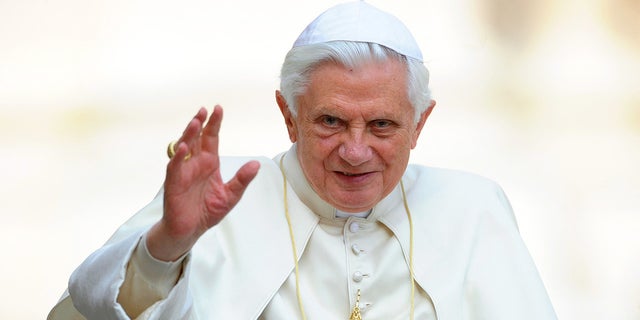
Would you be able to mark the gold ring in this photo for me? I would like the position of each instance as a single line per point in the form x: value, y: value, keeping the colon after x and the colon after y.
x: 171, y: 149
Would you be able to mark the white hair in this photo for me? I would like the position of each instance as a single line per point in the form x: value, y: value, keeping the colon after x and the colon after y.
x: 301, y: 61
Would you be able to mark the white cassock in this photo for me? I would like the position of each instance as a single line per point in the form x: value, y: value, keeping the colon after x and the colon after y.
x: 470, y: 262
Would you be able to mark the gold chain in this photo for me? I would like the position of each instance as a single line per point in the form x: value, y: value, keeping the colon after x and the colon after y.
x: 355, y: 314
x: 293, y: 241
x: 411, y: 274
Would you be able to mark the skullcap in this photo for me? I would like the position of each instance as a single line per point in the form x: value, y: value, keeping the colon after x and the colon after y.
x: 361, y: 22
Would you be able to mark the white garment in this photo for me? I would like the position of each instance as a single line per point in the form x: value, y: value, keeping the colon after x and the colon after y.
x: 469, y: 259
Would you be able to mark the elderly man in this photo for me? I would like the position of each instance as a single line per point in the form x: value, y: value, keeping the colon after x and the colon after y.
x: 338, y: 227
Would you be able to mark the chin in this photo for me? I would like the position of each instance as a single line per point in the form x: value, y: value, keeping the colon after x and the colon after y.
x: 349, y: 204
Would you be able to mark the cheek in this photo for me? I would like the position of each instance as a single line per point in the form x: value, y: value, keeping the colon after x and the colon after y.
x: 395, y: 156
x: 318, y: 146
x: 314, y: 153
x: 397, y: 147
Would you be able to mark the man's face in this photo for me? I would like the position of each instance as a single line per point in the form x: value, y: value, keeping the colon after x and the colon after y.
x: 354, y: 130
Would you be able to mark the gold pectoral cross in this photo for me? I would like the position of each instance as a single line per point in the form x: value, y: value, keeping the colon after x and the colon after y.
x: 355, y: 314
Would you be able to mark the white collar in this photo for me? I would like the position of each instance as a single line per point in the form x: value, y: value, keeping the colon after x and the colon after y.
x: 342, y: 214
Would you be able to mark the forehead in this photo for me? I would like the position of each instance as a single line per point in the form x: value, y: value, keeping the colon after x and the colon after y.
x: 368, y: 85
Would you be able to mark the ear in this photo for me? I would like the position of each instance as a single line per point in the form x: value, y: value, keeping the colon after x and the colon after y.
x: 288, y: 117
x: 423, y: 119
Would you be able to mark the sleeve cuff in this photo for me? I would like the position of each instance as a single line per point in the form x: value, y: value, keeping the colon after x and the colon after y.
x: 161, y: 274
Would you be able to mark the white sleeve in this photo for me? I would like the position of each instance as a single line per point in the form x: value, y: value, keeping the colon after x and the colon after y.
x: 95, y: 287
x: 147, y: 280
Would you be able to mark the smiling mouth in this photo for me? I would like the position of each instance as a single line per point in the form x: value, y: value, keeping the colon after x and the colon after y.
x: 353, y: 174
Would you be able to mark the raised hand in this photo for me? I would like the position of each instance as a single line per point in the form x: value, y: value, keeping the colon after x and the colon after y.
x: 195, y: 197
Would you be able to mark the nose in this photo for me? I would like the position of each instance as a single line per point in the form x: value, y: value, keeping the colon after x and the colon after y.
x: 355, y: 151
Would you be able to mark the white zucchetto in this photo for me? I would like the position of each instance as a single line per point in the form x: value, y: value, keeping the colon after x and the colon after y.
x: 361, y: 22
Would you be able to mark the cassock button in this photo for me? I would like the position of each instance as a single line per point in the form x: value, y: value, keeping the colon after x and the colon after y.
x: 357, y: 276
x: 356, y: 250
x: 354, y: 227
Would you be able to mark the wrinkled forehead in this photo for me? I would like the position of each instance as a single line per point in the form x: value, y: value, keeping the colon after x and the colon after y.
x: 382, y: 84
x: 363, y: 79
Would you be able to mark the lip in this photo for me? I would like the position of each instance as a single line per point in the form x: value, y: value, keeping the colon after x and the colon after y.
x: 352, y: 178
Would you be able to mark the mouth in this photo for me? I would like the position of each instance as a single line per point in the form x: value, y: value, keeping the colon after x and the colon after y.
x: 353, y: 174
x: 356, y: 181
x: 354, y: 178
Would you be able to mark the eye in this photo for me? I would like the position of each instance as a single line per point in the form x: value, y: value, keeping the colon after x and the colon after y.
x: 383, y: 127
x: 381, y: 124
x: 330, y: 121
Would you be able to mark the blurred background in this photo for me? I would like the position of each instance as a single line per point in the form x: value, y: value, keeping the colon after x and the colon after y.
x: 541, y: 96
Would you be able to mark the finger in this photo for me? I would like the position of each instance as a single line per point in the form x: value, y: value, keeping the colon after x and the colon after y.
x: 191, y: 133
x: 238, y: 184
x: 182, y: 151
x: 199, y: 118
x: 211, y: 130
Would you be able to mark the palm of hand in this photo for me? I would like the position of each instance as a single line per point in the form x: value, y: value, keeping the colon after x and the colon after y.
x: 195, y: 196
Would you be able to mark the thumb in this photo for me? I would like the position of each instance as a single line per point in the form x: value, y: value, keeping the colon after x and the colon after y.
x: 238, y: 184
